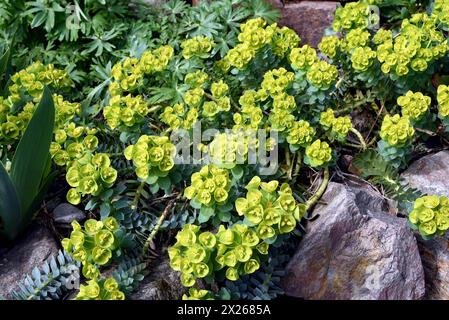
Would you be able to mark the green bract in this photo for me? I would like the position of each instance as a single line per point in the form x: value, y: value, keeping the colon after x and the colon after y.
x: 396, y: 130
x: 318, y: 154
x: 209, y: 188
x: 271, y: 208
x: 106, y: 289
x: 414, y: 105
x: 94, y: 244
x: 235, y: 250
x: 153, y: 157
x: 430, y: 215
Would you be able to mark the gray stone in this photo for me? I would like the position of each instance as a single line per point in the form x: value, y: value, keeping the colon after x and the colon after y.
x: 18, y: 261
x: 163, y: 283
x: 435, y: 260
x: 66, y: 213
x: 430, y: 174
x: 309, y: 19
x: 355, y: 249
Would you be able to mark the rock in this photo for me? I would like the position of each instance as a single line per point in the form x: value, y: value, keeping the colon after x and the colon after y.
x: 18, y: 261
x: 163, y: 283
x: 435, y: 260
x: 430, y: 174
x: 309, y: 19
x: 355, y: 249
x: 65, y: 213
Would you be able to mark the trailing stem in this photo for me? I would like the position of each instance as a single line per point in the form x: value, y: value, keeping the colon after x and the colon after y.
x: 149, y: 241
x: 137, y: 196
x: 360, y: 137
x: 319, y: 193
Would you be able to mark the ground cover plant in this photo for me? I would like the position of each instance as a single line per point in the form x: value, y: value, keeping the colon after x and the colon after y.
x: 210, y: 143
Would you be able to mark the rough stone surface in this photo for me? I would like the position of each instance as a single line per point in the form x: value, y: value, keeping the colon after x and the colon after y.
x: 163, y: 283
x: 430, y: 174
x: 309, y: 19
x: 29, y: 252
x: 65, y: 213
x: 355, y: 250
x: 435, y: 260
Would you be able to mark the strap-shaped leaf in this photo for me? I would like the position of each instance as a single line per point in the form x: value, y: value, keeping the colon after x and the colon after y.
x: 28, y: 164
x: 9, y: 207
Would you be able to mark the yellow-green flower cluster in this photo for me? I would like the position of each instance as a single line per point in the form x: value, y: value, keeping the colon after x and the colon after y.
x: 283, y: 40
x: 441, y: 11
x: 362, y: 58
x: 303, y: 58
x: 195, y: 294
x: 106, y: 289
x: 416, y: 46
x: 251, y: 115
x: 228, y: 149
x: 32, y: 80
x: 199, y: 254
x: 219, y: 89
x: 196, y: 79
x: 318, y: 154
x: 329, y: 46
x: 240, y: 55
x: 176, y: 117
x: 270, y: 208
x: 443, y: 101
x: 125, y: 110
x: 276, y: 81
x: 339, y: 126
x: 281, y: 120
x: 352, y: 15
x: 199, y: 46
x: 152, y: 156
x: 414, y: 105
x: 354, y: 39
x: 194, y: 97
x: 396, y: 130
x: 430, y: 215
x: 128, y: 74
x: 322, y: 75
x: 12, y: 125
x: 93, y: 244
x: 254, y: 34
x: 300, y: 133
x: 210, y: 186
x: 88, y: 172
x: 211, y: 108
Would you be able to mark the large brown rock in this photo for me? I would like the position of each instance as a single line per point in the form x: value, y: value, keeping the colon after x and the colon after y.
x: 430, y: 175
x: 355, y: 249
x: 309, y: 19
x: 29, y: 252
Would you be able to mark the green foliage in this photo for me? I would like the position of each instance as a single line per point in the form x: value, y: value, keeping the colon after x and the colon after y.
x: 25, y: 185
x: 380, y: 171
x: 51, y: 281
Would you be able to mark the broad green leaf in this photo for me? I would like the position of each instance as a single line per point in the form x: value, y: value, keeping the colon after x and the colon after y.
x: 9, y: 207
x: 30, y: 158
